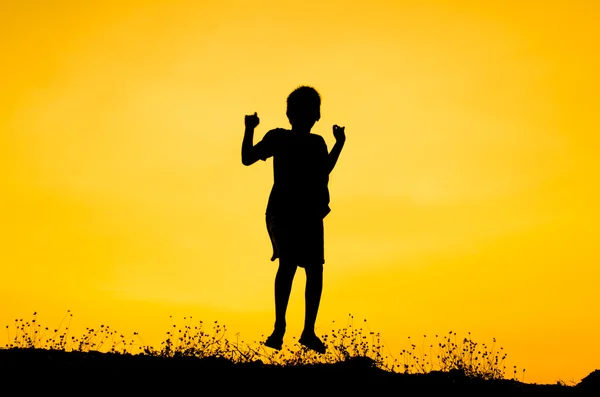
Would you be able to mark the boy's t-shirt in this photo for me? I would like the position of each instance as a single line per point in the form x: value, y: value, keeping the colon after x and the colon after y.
x: 300, y: 174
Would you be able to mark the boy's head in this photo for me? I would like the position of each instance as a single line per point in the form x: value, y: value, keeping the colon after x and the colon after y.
x: 304, y: 107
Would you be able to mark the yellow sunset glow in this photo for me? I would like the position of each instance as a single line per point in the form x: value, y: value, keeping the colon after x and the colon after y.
x: 465, y: 199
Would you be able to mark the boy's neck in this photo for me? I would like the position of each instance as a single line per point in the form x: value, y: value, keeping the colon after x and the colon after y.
x: 301, y: 130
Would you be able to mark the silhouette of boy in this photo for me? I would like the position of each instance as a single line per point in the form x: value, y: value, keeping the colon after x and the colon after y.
x: 298, y: 202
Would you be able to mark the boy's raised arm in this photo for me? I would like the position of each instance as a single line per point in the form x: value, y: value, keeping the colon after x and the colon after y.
x: 249, y: 156
x: 340, y: 139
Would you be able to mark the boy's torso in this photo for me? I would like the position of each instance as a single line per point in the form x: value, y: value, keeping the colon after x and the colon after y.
x: 300, y: 175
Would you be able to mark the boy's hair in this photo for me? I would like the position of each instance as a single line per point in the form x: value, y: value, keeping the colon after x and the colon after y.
x: 303, y: 100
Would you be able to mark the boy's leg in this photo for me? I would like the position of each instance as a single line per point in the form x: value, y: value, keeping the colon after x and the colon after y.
x: 283, y: 289
x: 314, y: 286
x: 312, y: 294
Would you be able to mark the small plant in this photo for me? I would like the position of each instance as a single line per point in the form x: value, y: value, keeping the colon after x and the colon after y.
x: 31, y: 335
x: 450, y: 353
x: 191, y: 340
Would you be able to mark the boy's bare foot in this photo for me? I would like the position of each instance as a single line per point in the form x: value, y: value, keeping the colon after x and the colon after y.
x: 275, y: 340
x: 312, y: 341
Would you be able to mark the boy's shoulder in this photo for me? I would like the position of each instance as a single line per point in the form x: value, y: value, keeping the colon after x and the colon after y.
x: 277, y: 131
x: 318, y: 138
x: 275, y: 134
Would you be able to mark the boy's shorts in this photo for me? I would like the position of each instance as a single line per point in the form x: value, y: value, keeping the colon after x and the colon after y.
x: 297, y: 240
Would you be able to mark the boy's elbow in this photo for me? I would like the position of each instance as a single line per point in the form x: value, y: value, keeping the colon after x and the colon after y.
x: 247, y: 161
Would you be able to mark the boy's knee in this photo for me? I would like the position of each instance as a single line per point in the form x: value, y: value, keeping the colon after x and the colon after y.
x: 314, y: 269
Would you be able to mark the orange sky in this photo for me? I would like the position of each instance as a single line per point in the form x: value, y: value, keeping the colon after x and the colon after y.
x: 465, y: 198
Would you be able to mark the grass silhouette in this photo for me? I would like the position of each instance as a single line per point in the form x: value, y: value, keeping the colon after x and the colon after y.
x: 192, y: 339
x: 353, y: 354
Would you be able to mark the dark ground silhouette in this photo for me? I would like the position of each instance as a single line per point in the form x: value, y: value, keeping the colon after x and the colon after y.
x: 79, y: 373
